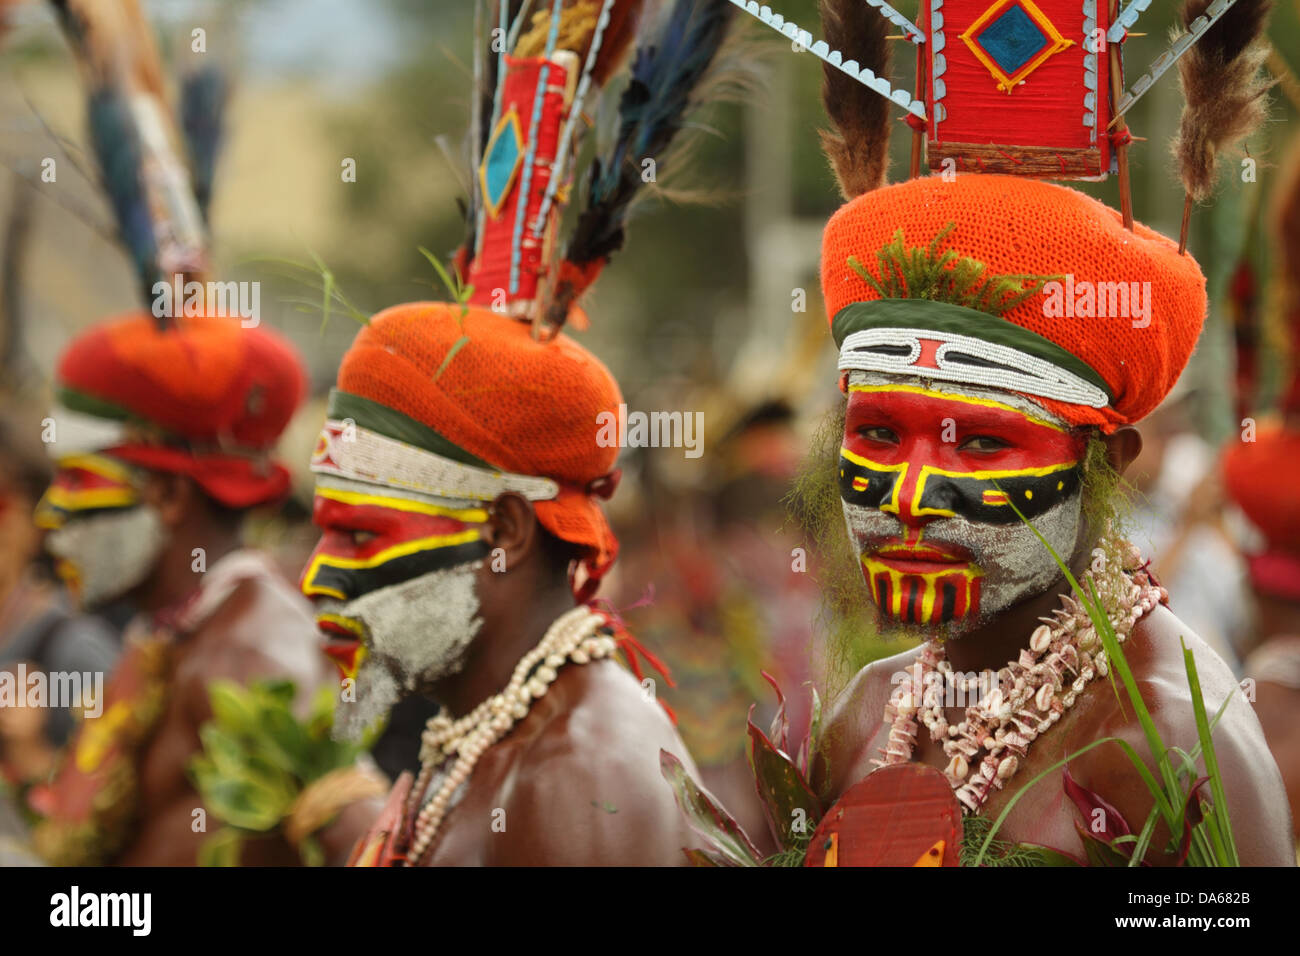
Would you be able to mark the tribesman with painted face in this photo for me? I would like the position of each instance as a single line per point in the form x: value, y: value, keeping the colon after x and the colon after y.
x: 460, y: 473
x: 162, y: 434
x: 998, y: 337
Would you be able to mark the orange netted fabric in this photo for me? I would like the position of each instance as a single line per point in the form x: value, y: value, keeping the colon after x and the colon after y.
x: 1017, y: 226
x: 1259, y: 476
x: 206, y: 398
x: 521, y: 405
x: 207, y: 380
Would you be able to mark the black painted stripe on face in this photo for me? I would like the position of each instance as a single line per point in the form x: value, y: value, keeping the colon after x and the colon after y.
x: 973, y: 498
x: 354, y: 582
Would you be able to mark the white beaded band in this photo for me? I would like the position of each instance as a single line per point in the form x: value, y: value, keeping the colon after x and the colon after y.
x: 998, y: 366
x: 349, y: 451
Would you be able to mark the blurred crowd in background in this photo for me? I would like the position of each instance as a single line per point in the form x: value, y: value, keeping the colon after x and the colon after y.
x: 713, y: 308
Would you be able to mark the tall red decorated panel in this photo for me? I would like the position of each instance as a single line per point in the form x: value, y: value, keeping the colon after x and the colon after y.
x: 1017, y: 86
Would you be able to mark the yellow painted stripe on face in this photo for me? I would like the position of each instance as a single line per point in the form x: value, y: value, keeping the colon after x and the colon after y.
x: 996, y: 497
x: 929, y: 470
x: 951, y: 397
x: 347, y: 623
x: 66, y: 500
x: 381, y: 557
x: 929, y: 578
x: 472, y: 515
x: 98, y: 465
x: 892, y: 507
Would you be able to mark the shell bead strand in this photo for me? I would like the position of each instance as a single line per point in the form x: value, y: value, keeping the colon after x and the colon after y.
x: 573, y: 637
x: 1063, y: 656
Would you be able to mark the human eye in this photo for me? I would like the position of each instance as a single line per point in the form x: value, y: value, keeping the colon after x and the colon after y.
x: 878, y: 433
x: 983, y: 443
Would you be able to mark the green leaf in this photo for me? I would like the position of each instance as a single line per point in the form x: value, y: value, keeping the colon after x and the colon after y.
x: 451, y: 353
x: 244, y: 803
x: 705, y: 817
x: 312, y: 853
x: 1221, y: 826
x: 791, y: 808
x: 222, y: 848
x: 231, y: 707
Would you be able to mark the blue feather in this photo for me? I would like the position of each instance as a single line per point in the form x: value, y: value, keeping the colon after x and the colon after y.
x: 669, y: 65
x: 203, y: 102
x: 117, y: 148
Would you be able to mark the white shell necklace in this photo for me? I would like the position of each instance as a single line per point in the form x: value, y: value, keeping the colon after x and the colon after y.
x: 1031, y: 694
x: 573, y: 637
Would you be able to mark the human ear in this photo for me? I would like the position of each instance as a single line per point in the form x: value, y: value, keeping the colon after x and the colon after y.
x: 1122, y: 447
x: 513, y: 532
x: 172, y: 496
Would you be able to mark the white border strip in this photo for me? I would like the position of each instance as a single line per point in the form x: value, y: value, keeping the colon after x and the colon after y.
x: 1034, y: 376
x: 359, y: 454
x: 821, y: 50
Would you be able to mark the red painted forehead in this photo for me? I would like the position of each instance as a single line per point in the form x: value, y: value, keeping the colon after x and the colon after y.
x: 922, y: 417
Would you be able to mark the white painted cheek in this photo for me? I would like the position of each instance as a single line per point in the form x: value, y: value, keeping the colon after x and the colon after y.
x: 1016, y: 565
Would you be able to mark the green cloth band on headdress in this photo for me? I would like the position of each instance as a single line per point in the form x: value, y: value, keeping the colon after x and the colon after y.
x: 959, y: 320
x: 393, y: 424
x: 75, y: 401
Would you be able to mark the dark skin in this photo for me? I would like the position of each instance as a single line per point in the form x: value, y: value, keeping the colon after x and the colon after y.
x: 261, y: 631
x: 577, y: 781
x: 855, y: 731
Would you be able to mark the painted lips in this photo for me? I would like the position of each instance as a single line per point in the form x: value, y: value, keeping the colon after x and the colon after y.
x: 344, y: 642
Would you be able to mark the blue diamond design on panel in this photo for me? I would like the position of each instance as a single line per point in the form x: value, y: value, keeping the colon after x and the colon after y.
x: 501, y: 162
x: 1013, y: 39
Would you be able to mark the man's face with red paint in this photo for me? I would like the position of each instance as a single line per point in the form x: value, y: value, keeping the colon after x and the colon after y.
x: 394, y: 582
x: 926, y: 474
x: 106, y: 540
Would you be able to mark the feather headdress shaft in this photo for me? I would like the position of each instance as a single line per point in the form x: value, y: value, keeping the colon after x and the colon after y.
x: 858, y: 148
x: 530, y: 116
x: 135, y: 140
x: 204, y: 91
x: 674, y: 55
x: 1222, y: 81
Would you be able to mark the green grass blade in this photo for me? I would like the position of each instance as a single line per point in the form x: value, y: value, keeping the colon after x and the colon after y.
x: 1220, y: 811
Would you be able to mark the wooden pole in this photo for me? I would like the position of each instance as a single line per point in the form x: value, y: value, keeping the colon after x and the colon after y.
x: 1187, y: 219
x: 918, y: 135
x: 1121, y: 149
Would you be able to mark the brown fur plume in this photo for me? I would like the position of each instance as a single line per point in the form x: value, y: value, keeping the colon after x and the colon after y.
x: 1224, y: 89
x: 858, y: 148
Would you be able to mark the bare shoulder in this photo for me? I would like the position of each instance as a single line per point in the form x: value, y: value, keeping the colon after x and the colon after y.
x: 851, y: 722
x: 586, y: 785
x: 262, y: 630
x: 1253, y: 784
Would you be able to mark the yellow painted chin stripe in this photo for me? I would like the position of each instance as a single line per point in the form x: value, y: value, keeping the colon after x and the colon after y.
x: 98, y: 465
x: 952, y: 397
x: 472, y: 515
x: 382, y: 557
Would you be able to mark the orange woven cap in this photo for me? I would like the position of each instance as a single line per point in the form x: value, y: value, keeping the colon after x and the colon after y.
x: 521, y: 405
x: 1259, y: 477
x: 1017, y: 226
x: 206, y: 398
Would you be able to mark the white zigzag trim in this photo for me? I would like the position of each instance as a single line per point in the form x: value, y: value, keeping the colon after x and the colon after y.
x: 822, y: 50
x: 1167, y: 59
x: 379, y: 460
x: 1019, y: 371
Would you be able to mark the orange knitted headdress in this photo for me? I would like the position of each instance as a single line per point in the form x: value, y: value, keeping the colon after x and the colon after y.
x: 1101, y: 344
x: 464, y: 400
x: 987, y: 274
x: 207, y: 399
x: 504, y: 404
